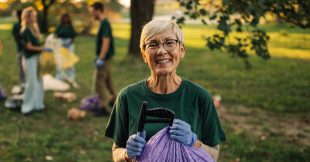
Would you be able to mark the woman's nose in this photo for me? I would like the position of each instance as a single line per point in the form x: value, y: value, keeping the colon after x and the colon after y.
x: 161, y: 49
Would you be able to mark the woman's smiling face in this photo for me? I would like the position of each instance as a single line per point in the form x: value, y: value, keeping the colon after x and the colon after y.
x: 32, y: 18
x: 163, y: 62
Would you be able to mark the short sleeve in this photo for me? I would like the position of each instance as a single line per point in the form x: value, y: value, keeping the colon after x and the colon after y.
x: 117, y: 127
x: 212, y: 132
x: 26, y: 36
x: 106, y: 29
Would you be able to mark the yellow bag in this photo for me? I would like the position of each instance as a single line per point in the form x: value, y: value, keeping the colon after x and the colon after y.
x: 68, y: 59
x: 47, y: 63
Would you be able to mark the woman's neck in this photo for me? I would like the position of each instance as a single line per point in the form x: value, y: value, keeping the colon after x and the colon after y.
x: 34, y: 30
x: 164, y: 84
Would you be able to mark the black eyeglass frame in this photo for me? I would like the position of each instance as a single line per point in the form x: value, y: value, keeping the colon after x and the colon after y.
x: 176, y: 40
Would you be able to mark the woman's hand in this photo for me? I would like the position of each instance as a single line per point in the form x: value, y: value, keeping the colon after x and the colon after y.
x: 48, y: 49
x: 181, y: 131
x: 135, y: 144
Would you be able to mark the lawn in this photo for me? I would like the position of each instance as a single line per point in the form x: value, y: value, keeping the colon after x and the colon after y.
x: 279, y: 87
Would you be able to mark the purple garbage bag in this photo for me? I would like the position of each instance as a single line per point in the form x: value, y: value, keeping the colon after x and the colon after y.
x: 91, y: 103
x: 162, y: 148
x: 2, y: 94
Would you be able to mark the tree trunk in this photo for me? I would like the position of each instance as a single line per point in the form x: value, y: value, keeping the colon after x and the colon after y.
x: 44, y: 18
x: 45, y: 21
x: 141, y: 12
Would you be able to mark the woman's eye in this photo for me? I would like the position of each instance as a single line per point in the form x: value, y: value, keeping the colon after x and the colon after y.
x: 169, y: 42
x: 152, y: 45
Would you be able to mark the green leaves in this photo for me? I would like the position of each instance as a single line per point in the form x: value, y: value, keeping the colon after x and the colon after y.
x: 223, y: 25
x: 259, y: 43
x: 203, y: 12
x: 232, y: 15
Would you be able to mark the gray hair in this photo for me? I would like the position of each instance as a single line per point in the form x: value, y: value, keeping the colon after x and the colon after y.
x: 155, y: 27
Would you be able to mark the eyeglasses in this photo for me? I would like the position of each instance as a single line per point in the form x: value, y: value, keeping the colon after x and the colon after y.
x: 169, y: 45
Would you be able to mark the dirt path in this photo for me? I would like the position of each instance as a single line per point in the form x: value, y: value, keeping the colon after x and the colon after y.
x: 263, y: 124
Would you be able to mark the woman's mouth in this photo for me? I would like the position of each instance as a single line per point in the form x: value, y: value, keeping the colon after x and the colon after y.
x: 162, y: 61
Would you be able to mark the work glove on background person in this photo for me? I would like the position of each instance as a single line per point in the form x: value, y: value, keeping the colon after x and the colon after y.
x: 135, y: 144
x: 181, y: 132
x: 99, y: 63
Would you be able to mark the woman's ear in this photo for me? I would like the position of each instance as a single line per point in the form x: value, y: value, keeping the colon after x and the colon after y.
x: 144, y: 56
x: 182, y: 50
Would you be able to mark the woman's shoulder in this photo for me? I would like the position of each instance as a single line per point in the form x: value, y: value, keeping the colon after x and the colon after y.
x: 134, y: 87
x: 25, y: 31
x: 61, y: 27
x: 196, y: 88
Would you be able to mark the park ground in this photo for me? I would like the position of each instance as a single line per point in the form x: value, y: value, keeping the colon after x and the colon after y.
x: 264, y: 111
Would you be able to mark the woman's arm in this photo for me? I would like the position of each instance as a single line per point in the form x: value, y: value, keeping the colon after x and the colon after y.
x: 29, y: 46
x: 212, y: 151
x: 119, y: 154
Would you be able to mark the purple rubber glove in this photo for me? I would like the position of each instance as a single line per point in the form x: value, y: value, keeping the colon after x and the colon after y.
x: 99, y: 63
x: 181, y: 131
x: 135, y: 144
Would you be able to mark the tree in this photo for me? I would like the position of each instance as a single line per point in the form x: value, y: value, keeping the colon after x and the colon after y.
x: 49, y: 11
x: 234, y: 15
x: 44, y: 17
x: 141, y: 11
x: 41, y: 5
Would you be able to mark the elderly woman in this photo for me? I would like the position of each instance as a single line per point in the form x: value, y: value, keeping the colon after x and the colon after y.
x: 30, y: 33
x: 196, y: 121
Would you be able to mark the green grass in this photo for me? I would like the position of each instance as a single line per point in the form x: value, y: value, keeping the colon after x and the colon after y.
x: 248, y: 149
x: 280, y: 85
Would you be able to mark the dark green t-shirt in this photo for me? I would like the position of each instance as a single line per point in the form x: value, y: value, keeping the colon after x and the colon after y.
x: 190, y: 103
x: 17, y: 36
x: 105, y: 30
x: 27, y: 37
x: 65, y: 31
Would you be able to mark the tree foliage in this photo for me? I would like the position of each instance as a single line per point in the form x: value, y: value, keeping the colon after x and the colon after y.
x: 50, y: 11
x: 243, y: 16
x: 44, y: 14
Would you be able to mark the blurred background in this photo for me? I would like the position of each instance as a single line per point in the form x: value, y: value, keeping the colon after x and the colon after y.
x: 254, y: 57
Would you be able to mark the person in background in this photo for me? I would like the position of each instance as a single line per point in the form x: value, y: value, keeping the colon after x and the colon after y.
x: 104, y: 54
x: 17, y: 37
x: 31, y: 36
x: 196, y: 122
x: 66, y: 33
